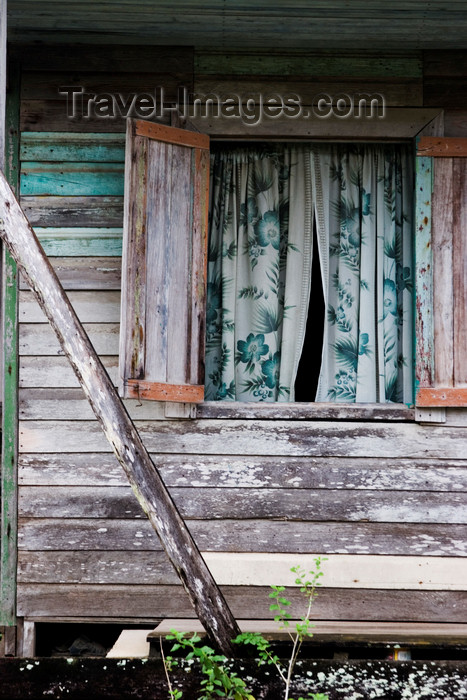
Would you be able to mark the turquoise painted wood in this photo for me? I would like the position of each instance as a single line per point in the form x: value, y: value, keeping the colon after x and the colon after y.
x: 70, y: 147
x: 72, y: 179
x: 9, y: 457
x: 80, y: 242
x: 424, y: 369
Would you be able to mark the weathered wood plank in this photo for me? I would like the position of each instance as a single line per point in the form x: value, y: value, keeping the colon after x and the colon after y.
x: 305, y: 411
x: 52, y: 146
x: 37, y: 371
x: 9, y: 372
x: 237, y: 536
x: 455, y: 122
x: 446, y: 91
x: 424, y: 357
x: 282, y: 438
x: 442, y: 396
x: 306, y: 64
x: 163, y: 601
x: 214, y: 503
x: 67, y: 404
x: 165, y: 236
x: 432, y: 146
x: 91, y: 307
x: 400, y: 123
x: 51, y: 115
x: 459, y: 263
x: 71, y: 179
x: 80, y: 242
x: 126, y: 87
x: 39, y: 339
x: 40, y: 406
x: 117, y: 427
x: 151, y: 568
x: 85, y: 273
x: 72, y: 212
x: 443, y: 293
x: 400, y: 93
x: 100, y: 469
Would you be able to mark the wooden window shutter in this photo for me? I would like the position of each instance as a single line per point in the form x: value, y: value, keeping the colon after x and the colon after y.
x: 441, y: 264
x: 164, y: 263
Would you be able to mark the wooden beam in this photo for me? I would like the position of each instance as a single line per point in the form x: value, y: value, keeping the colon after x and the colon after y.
x: 9, y: 474
x: 3, y: 75
x: 148, y: 487
x: 442, y: 147
x: 442, y: 396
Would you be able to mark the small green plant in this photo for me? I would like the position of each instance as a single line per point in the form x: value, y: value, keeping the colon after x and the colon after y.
x: 220, y: 681
x: 301, y: 630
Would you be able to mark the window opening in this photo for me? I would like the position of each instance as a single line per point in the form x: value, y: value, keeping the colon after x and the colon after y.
x: 265, y: 200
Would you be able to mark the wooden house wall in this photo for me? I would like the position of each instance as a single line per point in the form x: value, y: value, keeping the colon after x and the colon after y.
x: 382, y: 497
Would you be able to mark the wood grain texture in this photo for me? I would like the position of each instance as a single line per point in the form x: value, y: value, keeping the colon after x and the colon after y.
x: 259, y: 503
x: 59, y: 211
x: 304, y: 63
x: 52, y: 146
x: 39, y: 339
x: 151, y: 568
x: 442, y: 396
x: 55, y: 371
x: 337, y: 473
x: 443, y: 293
x: 162, y: 339
x: 80, y: 242
x: 398, y: 93
x: 442, y: 147
x: 424, y: 354
x: 459, y: 272
x: 236, y: 437
x: 35, y: 601
x: 84, y: 274
x: 55, y: 534
x: 71, y: 179
x: 149, y: 489
x: 103, y: 307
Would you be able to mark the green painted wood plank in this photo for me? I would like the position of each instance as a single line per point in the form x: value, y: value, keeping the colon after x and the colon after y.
x: 72, y: 147
x: 73, y: 179
x: 80, y: 242
x: 424, y: 369
x: 267, y: 63
x: 9, y: 473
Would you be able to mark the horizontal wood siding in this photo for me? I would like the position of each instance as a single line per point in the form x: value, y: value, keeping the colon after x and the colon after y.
x: 382, y: 497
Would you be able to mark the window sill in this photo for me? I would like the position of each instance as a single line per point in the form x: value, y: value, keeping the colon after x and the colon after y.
x: 305, y: 411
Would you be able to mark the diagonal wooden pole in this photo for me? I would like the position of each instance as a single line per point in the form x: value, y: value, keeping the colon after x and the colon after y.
x: 148, y: 487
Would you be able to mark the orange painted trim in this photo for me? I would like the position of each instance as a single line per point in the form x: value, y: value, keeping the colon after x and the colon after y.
x: 449, y: 147
x: 158, y: 391
x: 448, y: 396
x: 171, y: 134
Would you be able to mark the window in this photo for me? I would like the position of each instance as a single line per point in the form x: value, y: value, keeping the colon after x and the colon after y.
x: 162, y: 350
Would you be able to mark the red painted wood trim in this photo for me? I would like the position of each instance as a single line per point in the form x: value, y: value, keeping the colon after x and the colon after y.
x: 448, y: 396
x: 442, y: 147
x: 171, y: 134
x: 158, y: 391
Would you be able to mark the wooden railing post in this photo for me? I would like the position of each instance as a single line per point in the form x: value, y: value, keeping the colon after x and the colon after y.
x: 147, y: 485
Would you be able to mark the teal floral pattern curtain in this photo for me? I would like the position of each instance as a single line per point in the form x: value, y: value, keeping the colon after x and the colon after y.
x: 363, y: 199
x: 258, y: 271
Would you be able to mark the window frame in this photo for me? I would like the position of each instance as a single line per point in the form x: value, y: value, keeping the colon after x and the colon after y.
x: 401, y: 124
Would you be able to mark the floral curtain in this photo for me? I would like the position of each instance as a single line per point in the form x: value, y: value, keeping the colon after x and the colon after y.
x: 258, y: 271
x: 363, y: 201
